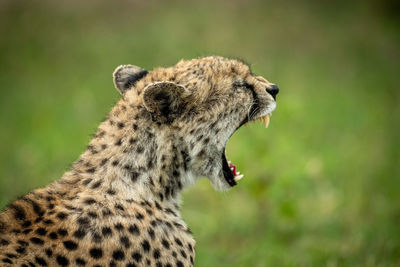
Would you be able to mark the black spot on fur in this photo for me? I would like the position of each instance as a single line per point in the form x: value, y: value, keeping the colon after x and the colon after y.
x: 125, y: 241
x: 158, y: 205
x: 96, y: 185
x: 137, y: 256
x: 151, y: 233
x: 83, y: 221
x: 97, y: 238
x: 62, y: 232
x: 139, y: 216
x: 132, y: 141
x: 110, y: 191
x: 87, y: 181
x: 26, y: 224
x: 118, y: 255
x: 167, y: 191
x: 36, y: 208
x: 48, y: 222
x: 41, y: 231
x: 106, y: 231
x: 49, y: 252
x: 80, y: 261
x: 20, y: 250
x: 39, y: 219
x: 120, y: 125
x: 92, y: 214
x: 115, y: 163
x: 156, y: 254
x: 53, y: 235
x: 146, y: 246
x: 119, y: 227
x: 139, y: 149
x: 183, y: 253
x: 91, y: 170
x: 40, y: 261
x: 134, y: 176
x: 118, y: 142
x: 150, y: 164
x: 165, y: 243
x: 106, y: 212
x: 175, y: 173
x: 96, y: 253
x: 89, y: 201
x: 133, y: 229
x: 119, y: 206
x: 19, y: 212
x: 63, y: 261
x: 12, y: 256
x: 62, y: 215
x: 178, y: 241
x: 103, y: 161
x: 70, y: 245
x: 36, y: 241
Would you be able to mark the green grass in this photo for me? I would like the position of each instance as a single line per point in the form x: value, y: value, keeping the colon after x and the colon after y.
x: 321, y: 184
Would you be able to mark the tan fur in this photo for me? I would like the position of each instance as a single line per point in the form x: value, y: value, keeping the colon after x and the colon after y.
x: 119, y: 203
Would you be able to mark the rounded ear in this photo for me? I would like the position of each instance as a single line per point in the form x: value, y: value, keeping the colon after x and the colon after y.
x: 165, y: 99
x: 126, y: 76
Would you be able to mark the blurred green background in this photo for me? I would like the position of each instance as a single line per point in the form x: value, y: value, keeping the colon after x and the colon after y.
x: 322, y: 183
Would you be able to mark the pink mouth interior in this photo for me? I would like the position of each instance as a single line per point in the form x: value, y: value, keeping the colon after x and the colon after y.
x: 231, y: 165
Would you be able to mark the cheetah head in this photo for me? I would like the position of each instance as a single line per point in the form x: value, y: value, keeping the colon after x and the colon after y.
x: 197, y: 105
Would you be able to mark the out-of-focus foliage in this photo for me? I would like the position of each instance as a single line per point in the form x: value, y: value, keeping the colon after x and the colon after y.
x: 321, y: 185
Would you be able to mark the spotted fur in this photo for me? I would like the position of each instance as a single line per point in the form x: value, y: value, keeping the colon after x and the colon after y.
x: 119, y: 203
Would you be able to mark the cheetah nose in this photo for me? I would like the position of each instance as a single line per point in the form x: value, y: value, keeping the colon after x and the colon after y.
x: 273, y: 90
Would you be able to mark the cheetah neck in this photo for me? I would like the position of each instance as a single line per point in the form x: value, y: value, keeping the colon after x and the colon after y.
x: 127, y: 161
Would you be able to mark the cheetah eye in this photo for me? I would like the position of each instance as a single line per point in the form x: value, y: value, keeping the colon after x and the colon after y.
x: 242, y: 84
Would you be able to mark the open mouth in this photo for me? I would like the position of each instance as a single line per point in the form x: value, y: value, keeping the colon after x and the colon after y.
x: 231, y: 173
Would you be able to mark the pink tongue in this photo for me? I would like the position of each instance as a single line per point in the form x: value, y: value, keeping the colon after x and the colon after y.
x: 231, y: 165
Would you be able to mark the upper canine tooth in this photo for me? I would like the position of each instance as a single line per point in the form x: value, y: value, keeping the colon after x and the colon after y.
x: 266, y: 120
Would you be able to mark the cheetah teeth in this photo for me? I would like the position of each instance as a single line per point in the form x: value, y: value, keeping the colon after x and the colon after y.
x: 265, y: 119
x: 237, y: 175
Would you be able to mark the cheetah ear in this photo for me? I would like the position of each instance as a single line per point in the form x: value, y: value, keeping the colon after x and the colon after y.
x: 165, y: 99
x: 126, y: 76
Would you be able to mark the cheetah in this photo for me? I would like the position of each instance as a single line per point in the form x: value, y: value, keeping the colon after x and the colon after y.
x: 119, y: 203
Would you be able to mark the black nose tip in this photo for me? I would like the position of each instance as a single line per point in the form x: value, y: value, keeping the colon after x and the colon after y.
x: 273, y: 90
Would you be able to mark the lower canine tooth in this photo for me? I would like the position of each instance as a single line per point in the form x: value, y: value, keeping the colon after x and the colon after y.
x: 238, y: 177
